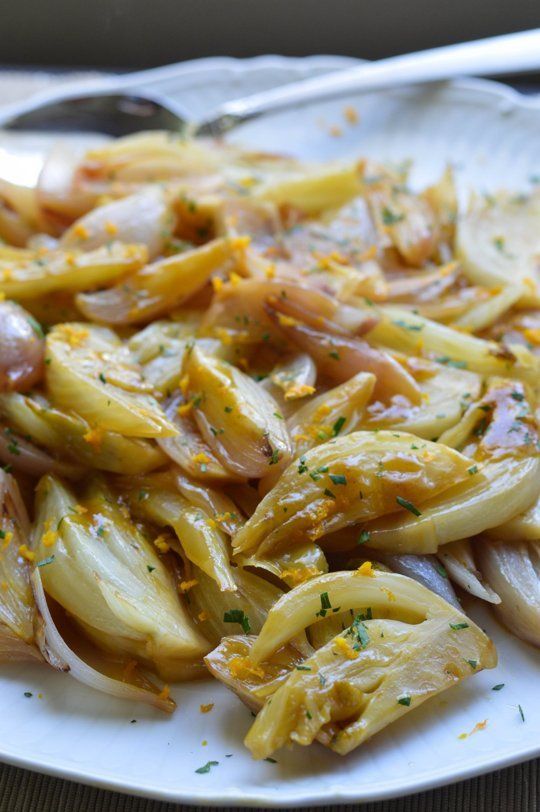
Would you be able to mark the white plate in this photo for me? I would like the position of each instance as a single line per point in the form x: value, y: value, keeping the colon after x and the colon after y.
x: 492, y: 136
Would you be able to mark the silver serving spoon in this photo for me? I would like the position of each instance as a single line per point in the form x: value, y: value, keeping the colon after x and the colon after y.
x: 127, y: 104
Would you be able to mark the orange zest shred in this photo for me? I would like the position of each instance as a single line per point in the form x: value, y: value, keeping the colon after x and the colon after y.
x: 299, y: 390
x: 161, y: 544
x: 165, y: 692
x: 478, y: 726
x: 94, y: 437
x: 366, y: 569
x: 206, y: 708
x: 185, y: 586
x: 242, y: 668
x: 25, y: 553
x: 345, y: 648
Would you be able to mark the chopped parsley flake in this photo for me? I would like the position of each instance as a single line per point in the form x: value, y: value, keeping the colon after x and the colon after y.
x: 404, y: 700
x: 404, y: 503
x: 473, y: 664
x: 102, y: 378
x: 359, y: 632
x: 338, y: 479
x: 414, y: 328
x: 329, y: 493
x: 237, y: 616
x: 207, y: 767
x: 521, y: 713
x: 473, y: 469
x: 36, y: 326
x: 458, y: 626
x: 364, y: 537
x: 325, y: 605
x: 442, y: 571
x: 274, y: 459
x: 303, y: 668
x: 150, y: 568
x: 389, y: 217
x: 338, y: 425
x: 271, y: 760
x: 46, y: 561
x: 445, y: 359
x: 498, y: 687
x: 334, y: 354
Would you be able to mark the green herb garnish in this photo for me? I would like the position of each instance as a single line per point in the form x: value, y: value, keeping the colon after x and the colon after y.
x: 237, y: 616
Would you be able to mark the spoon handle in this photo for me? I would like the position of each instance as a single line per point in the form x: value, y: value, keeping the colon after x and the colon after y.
x: 510, y: 53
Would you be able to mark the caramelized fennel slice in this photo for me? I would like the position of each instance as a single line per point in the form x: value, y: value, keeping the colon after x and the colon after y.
x: 348, y: 480
x: 346, y: 692
x: 91, y: 372
x: 17, y: 608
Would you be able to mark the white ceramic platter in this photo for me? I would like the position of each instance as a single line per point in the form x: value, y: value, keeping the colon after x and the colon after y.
x: 492, y: 136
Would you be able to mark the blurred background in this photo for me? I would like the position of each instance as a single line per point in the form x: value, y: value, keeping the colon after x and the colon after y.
x: 142, y: 33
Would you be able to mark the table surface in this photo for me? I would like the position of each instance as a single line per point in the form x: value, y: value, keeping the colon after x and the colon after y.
x: 516, y: 789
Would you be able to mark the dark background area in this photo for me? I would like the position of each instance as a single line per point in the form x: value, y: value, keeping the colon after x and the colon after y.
x: 143, y: 33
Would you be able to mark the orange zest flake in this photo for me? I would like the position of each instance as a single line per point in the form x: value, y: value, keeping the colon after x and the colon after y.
x: 161, y: 544
x: 94, y: 437
x: 247, y: 181
x: 206, y: 708
x: 184, y: 384
x: 49, y: 537
x: 111, y: 228
x: 211, y: 523
x: 234, y: 279
x: 328, y: 261
x: 217, y: 283
x: 287, y: 321
x: 298, y: 575
x: 185, y: 408
x: 200, y: 459
x: 25, y: 553
x: 270, y: 271
x: 202, y: 616
x: 335, y: 131
x: 74, y: 336
x: 345, y: 648
x: 7, y: 539
x: 351, y: 115
x: 388, y: 592
x: 165, y: 692
x: 134, y: 252
x: 81, y: 231
x: 240, y: 243
x: 242, y: 668
x: 366, y: 569
x: 478, y: 726
x: 185, y: 586
x: 299, y: 390
x: 223, y: 335
x: 532, y: 334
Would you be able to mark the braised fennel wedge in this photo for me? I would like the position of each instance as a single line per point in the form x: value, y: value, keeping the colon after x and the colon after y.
x: 402, y: 646
x: 269, y: 421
